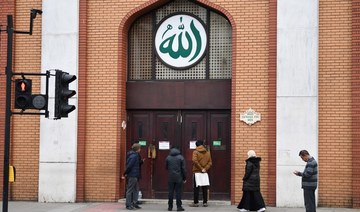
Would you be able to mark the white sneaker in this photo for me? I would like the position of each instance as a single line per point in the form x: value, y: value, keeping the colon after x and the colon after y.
x: 242, y: 210
x: 261, y: 209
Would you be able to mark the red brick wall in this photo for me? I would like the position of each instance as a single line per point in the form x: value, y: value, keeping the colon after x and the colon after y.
x: 335, y: 112
x: 355, y: 102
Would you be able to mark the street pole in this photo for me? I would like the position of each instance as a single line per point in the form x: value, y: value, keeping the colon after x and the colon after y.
x: 10, y: 32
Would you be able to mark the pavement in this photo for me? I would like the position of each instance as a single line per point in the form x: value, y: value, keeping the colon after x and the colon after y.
x: 147, y: 206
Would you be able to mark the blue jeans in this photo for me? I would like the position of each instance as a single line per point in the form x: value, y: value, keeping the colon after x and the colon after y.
x: 131, y: 189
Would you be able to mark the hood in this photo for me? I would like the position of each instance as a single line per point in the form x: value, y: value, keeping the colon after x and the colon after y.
x: 201, y: 149
x: 174, y: 152
x: 254, y: 160
x: 130, y: 153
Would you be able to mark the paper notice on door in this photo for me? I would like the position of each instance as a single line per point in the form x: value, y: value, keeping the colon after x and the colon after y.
x: 163, y: 145
x: 192, y: 144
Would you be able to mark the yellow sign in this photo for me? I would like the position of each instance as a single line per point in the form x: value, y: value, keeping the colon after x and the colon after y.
x: 12, y: 174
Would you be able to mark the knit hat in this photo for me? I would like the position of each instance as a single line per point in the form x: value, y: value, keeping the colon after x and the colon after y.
x: 251, y: 153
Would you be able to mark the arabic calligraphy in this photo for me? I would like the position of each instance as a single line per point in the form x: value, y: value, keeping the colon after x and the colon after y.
x: 183, y: 45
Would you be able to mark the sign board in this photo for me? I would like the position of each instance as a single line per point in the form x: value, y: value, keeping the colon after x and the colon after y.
x: 164, y: 145
x: 192, y: 144
x: 250, y: 117
x: 217, y: 143
x: 142, y: 143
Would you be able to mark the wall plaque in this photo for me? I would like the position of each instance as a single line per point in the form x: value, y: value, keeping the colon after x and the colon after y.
x: 250, y: 117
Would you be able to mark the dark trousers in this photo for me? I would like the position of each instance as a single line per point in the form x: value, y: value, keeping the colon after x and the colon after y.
x: 177, y: 187
x: 197, y: 190
x: 309, y: 198
x: 131, y: 189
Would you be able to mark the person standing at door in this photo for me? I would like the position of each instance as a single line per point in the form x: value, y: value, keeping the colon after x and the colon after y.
x: 201, y: 163
x: 309, y: 179
x: 132, y: 173
x: 175, y: 165
x: 252, y: 199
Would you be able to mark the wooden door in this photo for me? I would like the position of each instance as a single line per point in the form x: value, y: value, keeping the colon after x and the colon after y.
x: 166, y: 130
x: 140, y: 130
x: 219, y: 146
x: 193, y: 128
x: 176, y: 128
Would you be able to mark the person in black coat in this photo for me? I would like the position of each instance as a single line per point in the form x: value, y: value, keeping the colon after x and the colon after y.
x: 175, y: 164
x: 252, y: 199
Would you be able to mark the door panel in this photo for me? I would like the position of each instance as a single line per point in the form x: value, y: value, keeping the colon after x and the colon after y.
x: 140, y: 130
x: 219, y: 145
x: 194, y: 128
x: 166, y: 132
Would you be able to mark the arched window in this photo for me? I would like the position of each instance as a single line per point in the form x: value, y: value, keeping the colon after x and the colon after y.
x: 215, y: 63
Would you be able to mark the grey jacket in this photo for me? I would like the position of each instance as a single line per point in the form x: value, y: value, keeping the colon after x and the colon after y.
x: 310, y: 175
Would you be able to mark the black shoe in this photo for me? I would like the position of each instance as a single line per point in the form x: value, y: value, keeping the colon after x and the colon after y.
x: 138, y: 203
x: 136, y: 206
x: 169, y: 209
x: 180, y: 209
x: 129, y: 208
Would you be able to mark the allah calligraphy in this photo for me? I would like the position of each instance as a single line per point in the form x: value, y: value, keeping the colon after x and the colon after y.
x: 181, y: 41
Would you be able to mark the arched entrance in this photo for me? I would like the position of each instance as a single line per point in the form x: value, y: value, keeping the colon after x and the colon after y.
x: 174, y: 103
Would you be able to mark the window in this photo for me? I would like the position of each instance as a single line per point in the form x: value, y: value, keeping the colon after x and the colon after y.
x: 144, y: 63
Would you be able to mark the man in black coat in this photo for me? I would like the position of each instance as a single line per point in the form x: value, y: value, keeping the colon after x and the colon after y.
x: 175, y: 164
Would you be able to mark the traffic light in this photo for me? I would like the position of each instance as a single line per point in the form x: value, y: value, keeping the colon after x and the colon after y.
x: 24, y: 98
x: 62, y: 94
x: 23, y: 93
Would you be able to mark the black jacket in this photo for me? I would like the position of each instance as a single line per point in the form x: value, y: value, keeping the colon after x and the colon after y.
x: 175, y: 164
x: 251, y: 179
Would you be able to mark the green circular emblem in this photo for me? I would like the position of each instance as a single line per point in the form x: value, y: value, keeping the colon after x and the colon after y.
x: 180, y: 41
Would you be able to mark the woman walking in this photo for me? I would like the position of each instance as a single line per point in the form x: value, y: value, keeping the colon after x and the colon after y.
x: 252, y: 199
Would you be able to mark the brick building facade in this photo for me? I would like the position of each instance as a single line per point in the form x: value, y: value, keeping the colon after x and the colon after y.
x: 258, y: 50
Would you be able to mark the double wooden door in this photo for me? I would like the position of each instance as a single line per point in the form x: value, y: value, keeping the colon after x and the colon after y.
x: 158, y: 131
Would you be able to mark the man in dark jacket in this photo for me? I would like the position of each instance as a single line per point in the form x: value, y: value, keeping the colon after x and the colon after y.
x: 175, y: 164
x: 132, y: 173
x: 309, y: 180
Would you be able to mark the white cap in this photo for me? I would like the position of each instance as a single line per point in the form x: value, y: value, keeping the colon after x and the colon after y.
x: 251, y: 153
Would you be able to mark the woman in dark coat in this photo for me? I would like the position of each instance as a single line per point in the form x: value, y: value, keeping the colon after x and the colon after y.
x: 252, y: 199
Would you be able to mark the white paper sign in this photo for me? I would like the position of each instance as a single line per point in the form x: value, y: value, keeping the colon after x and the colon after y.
x: 164, y: 145
x: 192, y: 144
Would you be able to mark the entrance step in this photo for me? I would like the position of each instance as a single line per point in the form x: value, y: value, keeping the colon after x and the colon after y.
x: 185, y: 202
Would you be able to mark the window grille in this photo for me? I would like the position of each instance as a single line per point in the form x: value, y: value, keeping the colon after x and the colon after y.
x: 144, y: 65
x: 220, y: 47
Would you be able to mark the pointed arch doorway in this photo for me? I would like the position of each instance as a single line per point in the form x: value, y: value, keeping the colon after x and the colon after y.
x: 174, y: 104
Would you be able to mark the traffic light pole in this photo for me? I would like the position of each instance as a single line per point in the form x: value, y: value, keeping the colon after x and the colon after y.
x: 10, y: 32
x: 9, y: 74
